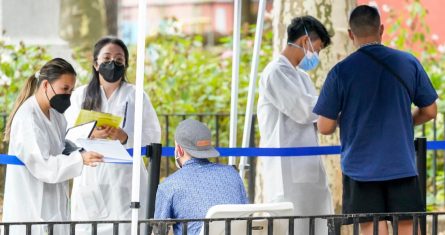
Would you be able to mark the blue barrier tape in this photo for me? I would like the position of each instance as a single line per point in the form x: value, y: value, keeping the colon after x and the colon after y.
x: 249, y: 152
x: 269, y: 152
x: 435, y: 145
x: 9, y: 160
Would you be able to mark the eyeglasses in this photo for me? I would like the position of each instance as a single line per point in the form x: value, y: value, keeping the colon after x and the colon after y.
x: 119, y: 60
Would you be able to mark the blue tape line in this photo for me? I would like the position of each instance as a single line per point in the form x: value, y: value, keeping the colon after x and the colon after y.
x: 143, y: 151
x: 269, y: 152
x: 435, y: 145
x: 10, y: 160
x: 248, y: 152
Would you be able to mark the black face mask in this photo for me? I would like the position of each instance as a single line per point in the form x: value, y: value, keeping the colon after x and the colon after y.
x: 59, y: 102
x: 111, y: 71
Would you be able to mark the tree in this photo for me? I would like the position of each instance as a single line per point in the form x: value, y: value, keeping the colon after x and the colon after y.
x: 83, y: 22
x: 246, y: 11
x: 111, y: 16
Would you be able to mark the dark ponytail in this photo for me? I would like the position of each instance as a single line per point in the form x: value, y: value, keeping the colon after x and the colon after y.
x: 93, y: 99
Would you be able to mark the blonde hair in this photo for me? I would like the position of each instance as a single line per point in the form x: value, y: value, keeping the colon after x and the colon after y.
x: 51, y: 71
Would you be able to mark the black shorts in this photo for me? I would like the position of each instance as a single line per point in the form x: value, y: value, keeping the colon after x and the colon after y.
x: 399, y: 195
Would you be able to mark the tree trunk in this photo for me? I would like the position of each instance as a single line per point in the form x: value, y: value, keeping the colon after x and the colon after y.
x: 246, y: 11
x: 111, y: 15
x: 82, y: 22
x: 334, y: 17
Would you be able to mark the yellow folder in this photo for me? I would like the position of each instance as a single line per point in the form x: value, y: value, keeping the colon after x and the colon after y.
x: 103, y: 119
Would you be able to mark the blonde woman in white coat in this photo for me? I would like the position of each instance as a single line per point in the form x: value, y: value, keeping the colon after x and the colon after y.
x: 38, y: 191
x: 104, y: 193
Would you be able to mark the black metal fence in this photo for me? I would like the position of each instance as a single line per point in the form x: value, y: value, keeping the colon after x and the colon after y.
x: 435, y: 130
x: 249, y: 224
x: 333, y: 220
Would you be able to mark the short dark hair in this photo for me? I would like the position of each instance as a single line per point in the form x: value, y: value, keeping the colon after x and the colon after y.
x: 364, y: 21
x: 314, y: 28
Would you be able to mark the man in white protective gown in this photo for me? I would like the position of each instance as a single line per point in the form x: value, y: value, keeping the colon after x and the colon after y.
x: 286, y: 99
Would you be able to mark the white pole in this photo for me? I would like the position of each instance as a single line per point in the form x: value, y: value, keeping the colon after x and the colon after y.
x: 252, y: 83
x: 135, y: 187
x: 235, y: 76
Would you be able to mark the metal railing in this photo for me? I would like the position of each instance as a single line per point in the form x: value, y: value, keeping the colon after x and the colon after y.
x: 436, y: 158
x: 334, y: 221
x: 265, y: 224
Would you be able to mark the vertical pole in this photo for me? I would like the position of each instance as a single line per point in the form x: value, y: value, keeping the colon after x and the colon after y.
x: 154, y: 152
x: 333, y: 228
x: 420, y: 146
x: 235, y: 77
x: 167, y: 143
x: 251, y: 164
x: 252, y: 82
x: 137, y: 160
x: 217, y: 134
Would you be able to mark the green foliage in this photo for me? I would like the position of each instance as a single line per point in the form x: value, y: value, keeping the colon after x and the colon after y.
x: 186, y: 76
x: 410, y: 32
x: 17, y: 63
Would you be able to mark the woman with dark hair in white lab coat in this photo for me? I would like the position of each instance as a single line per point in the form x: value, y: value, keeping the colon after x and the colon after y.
x: 38, y: 191
x: 104, y: 193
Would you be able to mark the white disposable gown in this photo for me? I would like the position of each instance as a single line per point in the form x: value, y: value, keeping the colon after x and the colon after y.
x: 286, y: 99
x: 104, y: 192
x: 39, y: 190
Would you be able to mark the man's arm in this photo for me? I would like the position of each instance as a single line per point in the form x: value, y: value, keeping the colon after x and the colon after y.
x: 163, y: 204
x: 289, y: 97
x: 422, y: 115
x: 326, y: 126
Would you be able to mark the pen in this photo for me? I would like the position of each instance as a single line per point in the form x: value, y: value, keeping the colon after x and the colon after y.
x: 125, y: 114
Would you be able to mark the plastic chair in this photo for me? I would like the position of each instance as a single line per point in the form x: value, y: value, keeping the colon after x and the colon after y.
x: 259, y: 227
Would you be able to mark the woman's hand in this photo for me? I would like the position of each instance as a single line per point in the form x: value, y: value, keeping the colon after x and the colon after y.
x: 118, y: 134
x: 101, y: 132
x: 108, y: 132
x: 91, y: 158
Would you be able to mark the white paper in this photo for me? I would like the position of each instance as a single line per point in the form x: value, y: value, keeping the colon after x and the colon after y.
x: 112, y: 150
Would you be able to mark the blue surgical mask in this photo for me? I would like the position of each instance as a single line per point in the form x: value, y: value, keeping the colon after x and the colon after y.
x: 310, y: 59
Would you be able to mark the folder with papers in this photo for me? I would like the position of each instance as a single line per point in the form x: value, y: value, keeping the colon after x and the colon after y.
x: 103, y: 119
x: 112, y: 150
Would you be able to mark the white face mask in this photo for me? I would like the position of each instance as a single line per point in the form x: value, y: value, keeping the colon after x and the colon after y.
x: 178, y: 165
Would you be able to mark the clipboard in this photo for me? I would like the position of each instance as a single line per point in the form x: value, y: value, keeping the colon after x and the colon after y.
x: 82, y: 131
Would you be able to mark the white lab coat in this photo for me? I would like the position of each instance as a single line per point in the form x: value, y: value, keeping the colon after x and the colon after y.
x: 38, y: 191
x: 286, y: 99
x: 104, y: 192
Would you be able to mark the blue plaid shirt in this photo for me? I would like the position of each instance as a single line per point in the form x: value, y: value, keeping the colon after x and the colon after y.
x: 191, y: 191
